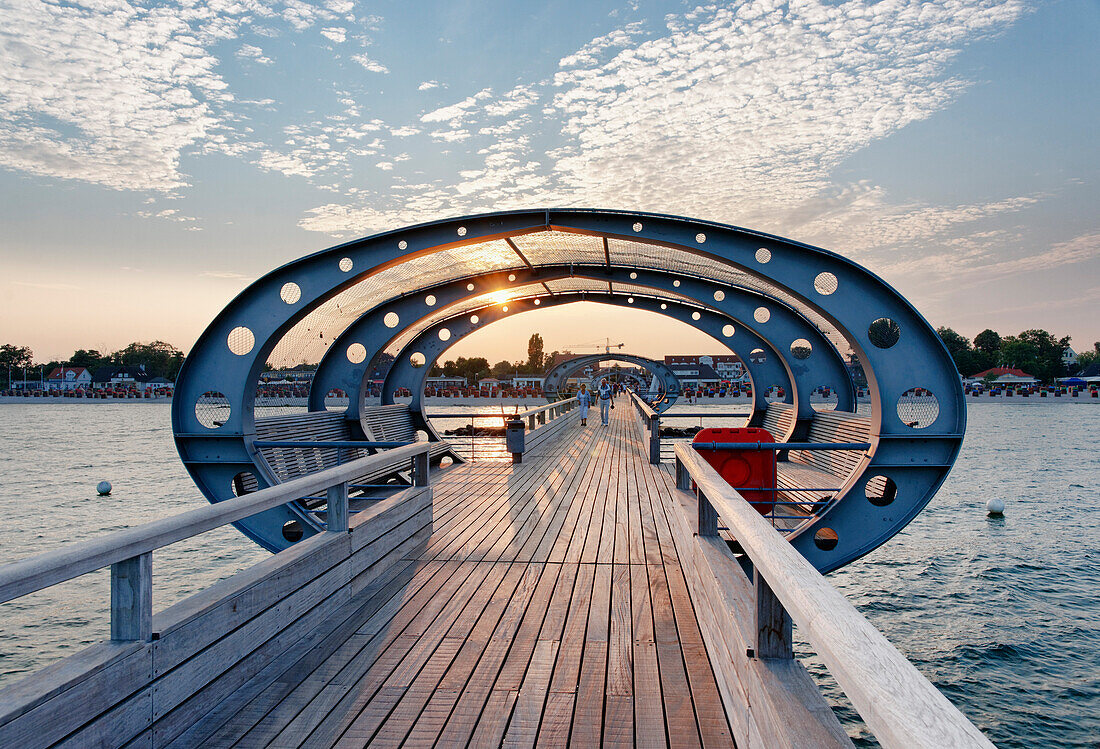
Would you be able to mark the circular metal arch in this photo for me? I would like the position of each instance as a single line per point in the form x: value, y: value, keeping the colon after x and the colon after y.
x: 231, y: 353
x: 429, y: 344
x: 669, y: 381
x: 738, y: 307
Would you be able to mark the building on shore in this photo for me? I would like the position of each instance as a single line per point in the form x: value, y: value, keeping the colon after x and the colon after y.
x: 1003, y: 376
x: 68, y: 378
x: 121, y: 375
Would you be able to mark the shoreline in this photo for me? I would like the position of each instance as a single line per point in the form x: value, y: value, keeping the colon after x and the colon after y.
x: 534, y: 402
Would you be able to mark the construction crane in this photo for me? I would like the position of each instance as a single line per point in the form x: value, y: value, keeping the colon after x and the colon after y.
x: 607, y: 345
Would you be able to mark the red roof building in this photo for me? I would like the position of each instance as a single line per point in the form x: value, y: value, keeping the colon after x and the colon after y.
x: 1007, y: 376
x: 68, y: 378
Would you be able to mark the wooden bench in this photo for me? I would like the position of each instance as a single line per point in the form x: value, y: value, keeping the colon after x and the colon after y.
x: 382, y: 424
x: 779, y: 420
x: 394, y: 424
x: 805, y: 473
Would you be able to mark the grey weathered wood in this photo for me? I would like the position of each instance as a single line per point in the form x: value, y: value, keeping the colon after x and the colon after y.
x: 708, y: 518
x: 772, y: 623
x: 655, y: 439
x: 421, y: 469
x: 336, y: 514
x: 132, y: 598
x: 683, y: 478
x: 29, y: 720
x: 52, y: 567
x: 899, y: 705
x: 767, y: 703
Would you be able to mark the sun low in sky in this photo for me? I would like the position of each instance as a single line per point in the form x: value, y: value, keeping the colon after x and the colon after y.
x: 155, y: 157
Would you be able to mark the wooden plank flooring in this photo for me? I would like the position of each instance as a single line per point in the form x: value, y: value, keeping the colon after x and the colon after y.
x: 548, y: 608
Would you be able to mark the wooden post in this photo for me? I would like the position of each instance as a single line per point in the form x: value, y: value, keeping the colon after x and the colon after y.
x: 542, y: 417
x: 421, y: 470
x: 655, y: 440
x: 531, y: 423
x: 132, y: 598
x: 683, y: 478
x: 772, y: 625
x: 337, y: 513
x: 708, y: 518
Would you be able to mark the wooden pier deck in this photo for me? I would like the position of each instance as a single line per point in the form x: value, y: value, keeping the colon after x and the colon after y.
x: 579, y: 598
x: 548, y: 607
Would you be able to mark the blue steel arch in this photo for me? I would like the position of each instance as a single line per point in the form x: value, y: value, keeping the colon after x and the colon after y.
x: 427, y: 342
x: 825, y: 365
x: 670, y: 383
x: 917, y: 460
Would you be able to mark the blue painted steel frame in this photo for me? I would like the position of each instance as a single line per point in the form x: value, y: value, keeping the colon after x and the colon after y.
x: 669, y: 381
x: 825, y: 365
x: 917, y: 460
x: 768, y: 369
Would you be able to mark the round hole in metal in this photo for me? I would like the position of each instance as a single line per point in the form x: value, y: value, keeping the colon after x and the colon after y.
x: 357, y: 353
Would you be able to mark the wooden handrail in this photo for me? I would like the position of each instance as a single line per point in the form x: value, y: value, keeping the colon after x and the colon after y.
x: 73, y: 560
x: 539, y: 409
x: 646, y: 410
x: 900, y: 706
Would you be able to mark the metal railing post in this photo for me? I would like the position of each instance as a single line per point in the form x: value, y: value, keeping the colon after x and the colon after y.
x: 132, y: 598
x: 772, y: 624
x: 337, y: 512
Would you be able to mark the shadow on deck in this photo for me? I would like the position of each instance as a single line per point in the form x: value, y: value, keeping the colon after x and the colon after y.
x: 548, y: 607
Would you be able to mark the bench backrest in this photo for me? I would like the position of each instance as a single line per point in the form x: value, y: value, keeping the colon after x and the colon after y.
x: 291, y: 462
x: 835, y: 426
x: 779, y: 420
x: 388, y: 424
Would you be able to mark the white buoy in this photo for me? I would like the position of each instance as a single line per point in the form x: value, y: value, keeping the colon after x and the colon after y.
x: 104, y: 488
x: 995, y: 507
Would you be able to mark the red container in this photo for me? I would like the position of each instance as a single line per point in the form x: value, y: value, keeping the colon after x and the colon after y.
x: 745, y: 470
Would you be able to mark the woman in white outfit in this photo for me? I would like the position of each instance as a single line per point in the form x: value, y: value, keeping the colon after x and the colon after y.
x: 605, y: 401
x: 584, y: 400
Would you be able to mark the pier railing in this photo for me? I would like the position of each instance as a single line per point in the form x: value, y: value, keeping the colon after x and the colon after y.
x: 129, y: 551
x: 900, y: 706
x: 652, y: 422
x: 531, y: 419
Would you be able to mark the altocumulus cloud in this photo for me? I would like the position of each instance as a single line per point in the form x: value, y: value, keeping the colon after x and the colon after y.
x: 112, y: 93
x: 736, y: 114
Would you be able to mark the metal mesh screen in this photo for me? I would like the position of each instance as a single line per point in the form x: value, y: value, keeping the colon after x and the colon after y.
x: 558, y: 247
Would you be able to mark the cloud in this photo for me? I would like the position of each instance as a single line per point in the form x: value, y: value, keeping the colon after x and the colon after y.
x: 738, y: 114
x: 427, y: 85
x: 450, y: 136
x: 253, y: 53
x: 336, y: 34
x: 370, y: 65
x: 109, y: 96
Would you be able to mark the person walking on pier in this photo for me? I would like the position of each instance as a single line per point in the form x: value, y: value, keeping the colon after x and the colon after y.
x: 605, y: 401
x: 584, y: 400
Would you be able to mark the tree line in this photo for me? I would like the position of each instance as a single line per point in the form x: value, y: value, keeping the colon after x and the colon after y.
x: 160, y: 359
x: 1036, y: 352
x: 478, y: 367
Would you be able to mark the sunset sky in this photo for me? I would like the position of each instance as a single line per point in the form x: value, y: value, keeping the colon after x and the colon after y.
x: 157, y: 157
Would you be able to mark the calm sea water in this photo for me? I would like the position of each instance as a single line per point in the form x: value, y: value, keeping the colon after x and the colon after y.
x: 1002, y: 615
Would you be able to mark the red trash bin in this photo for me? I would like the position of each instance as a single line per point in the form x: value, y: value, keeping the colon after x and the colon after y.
x: 750, y: 471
